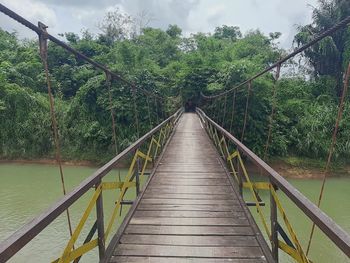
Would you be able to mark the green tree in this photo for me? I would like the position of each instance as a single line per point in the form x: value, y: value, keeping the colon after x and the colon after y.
x: 330, y: 56
x: 227, y: 32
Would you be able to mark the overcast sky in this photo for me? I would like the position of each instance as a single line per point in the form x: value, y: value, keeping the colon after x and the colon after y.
x: 191, y: 15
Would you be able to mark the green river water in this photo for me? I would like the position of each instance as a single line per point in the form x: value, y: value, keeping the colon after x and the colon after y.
x: 28, y: 189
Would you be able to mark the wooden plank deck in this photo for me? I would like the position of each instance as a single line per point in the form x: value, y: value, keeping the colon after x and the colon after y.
x: 190, y: 212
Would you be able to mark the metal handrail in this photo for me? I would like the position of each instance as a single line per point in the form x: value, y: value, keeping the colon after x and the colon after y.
x: 22, y: 236
x: 332, y: 230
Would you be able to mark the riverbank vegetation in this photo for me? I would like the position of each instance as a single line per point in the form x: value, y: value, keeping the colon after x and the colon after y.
x: 174, y: 65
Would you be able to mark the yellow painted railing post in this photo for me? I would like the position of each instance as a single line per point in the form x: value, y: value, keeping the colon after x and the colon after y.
x: 212, y: 133
x: 274, y: 225
x: 66, y: 253
x: 220, y: 147
x: 100, y: 223
x: 255, y: 197
x: 155, y: 149
x: 136, y: 172
x: 148, y: 158
x: 290, y: 229
x: 216, y: 138
x: 159, y: 145
x: 239, y: 175
x: 292, y: 248
x: 121, y: 196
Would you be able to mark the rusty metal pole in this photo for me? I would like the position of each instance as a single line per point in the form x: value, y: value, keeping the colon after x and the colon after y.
x: 224, y: 115
x: 133, y: 90
x: 233, y: 110
x: 217, y: 111
x: 246, y: 110
x: 149, y: 113
x: 162, y: 113
x: 43, y: 37
x: 114, y: 132
x: 211, y: 109
x: 274, y: 102
x: 156, y: 106
x: 331, y: 148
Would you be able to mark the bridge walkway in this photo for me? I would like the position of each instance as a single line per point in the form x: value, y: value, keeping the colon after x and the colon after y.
x: 190, y: 211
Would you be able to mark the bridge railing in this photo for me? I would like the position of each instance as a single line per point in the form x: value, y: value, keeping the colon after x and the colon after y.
x: 145, y: 151
x: 273, y: 229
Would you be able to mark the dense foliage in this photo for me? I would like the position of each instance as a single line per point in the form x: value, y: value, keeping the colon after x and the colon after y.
x: 169, y: 64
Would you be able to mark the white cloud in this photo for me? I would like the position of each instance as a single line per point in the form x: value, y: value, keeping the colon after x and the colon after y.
x: 268, y: 16
x: 191, y: 15
x: 30, y: 10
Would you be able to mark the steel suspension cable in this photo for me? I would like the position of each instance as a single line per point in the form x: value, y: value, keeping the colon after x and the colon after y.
x: 162, y: 112
x: 43, y: 55
x: 217, y: 110
x: 149, y: 112
x: 114, y: 132
x: 246, y: 110
x: 224, y: 115
x: 271, y: 117
x: 213, y: 110
x: 331, y: 148
x: 78, y: 54
x: 135, y: 113
x: 156, y: 106
x: 316, y: 39
x: 233, y: 110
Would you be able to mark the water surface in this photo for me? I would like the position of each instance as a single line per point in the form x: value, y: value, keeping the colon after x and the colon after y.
x: 28, y: 189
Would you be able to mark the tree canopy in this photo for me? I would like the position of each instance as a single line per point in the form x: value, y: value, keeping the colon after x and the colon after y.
x: 168, y: 63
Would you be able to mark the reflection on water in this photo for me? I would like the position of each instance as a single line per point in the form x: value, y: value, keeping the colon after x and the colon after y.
x: 26, y: 190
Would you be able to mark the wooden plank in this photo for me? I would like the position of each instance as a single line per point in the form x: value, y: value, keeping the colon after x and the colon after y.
x: 186, y: 160
x: 160, y: 201
x: 189, y: 230
x: 190, y: 169
x: 193, y: 189
x: 179, y: 176
x: 206, y: 173
x: 190, y: 165
x: 185, y: 192
x: 190, y: 182
x: 196, y: 221
x: 164, y: 195
x: 186, y: 251
x: 223, y: 180
x: 181, y: 190
x: 212, y: 208
x: 192, y: 214
x: 128, y: 259
x: 228, y: 241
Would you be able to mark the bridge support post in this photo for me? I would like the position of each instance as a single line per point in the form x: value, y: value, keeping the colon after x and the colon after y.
x: 100, y: 224
x: 137, y: 176
x: 274, y: 225
x: 240, y: 177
